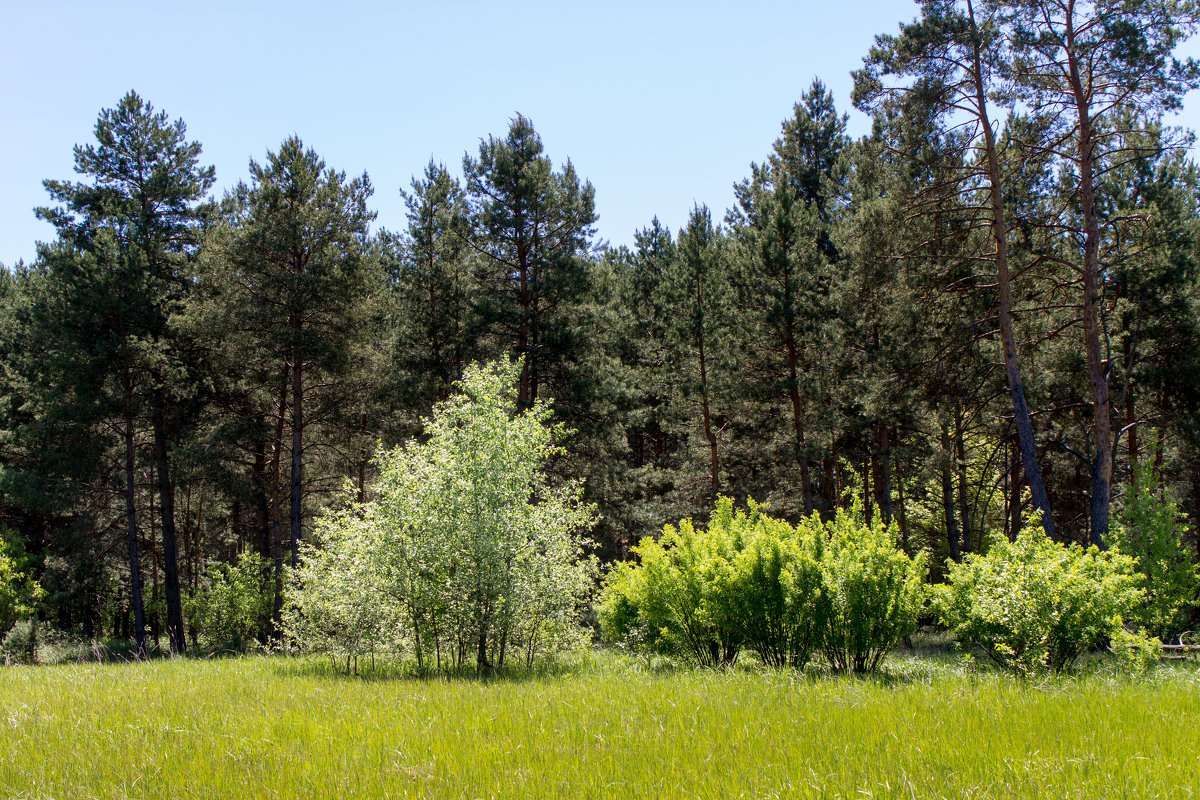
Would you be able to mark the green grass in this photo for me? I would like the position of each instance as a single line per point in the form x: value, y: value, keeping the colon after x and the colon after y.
x: 609, y: 727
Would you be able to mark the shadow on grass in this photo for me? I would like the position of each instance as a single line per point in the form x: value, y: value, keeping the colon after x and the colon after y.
x: 607, y: 662
x: 390, y: 669
x: 929, y: 657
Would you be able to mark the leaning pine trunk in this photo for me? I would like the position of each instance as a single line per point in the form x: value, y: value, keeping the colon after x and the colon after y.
x: 1012, y: 372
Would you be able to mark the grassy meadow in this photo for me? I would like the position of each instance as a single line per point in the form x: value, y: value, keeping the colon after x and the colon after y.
x: 603, y: 726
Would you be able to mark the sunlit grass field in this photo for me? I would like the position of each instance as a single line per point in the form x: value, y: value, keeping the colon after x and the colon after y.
x: 603, y: 726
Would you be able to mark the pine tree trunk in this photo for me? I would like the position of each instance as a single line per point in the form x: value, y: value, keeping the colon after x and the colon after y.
x: 277, y: 496
x: 1012, y: 372
x: 706, y: 416
x: 798, y: 421
x: 1014, y: 494
x: 135, y: 576
x: 166, y: 502
x: 1102, y: 466
x: 886, y: 483
x: 297, y: 455
x: 262, y: 513
x: 960, y: 462
x: 524, y: 399
x: 1130, y: 411
x: 155, y: 593
x: 901, y: 511
x: 948, y: 508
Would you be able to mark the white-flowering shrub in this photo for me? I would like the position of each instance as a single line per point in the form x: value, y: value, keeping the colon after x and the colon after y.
x: 466, y: 551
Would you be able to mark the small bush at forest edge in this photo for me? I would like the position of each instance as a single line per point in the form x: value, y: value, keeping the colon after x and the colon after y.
x: 786, y: 592
x: 1034, y: 605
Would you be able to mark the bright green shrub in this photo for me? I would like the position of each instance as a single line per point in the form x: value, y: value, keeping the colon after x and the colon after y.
x: 875, y: 591
x: 703, y: 594
x: 19, y: 593
x: 234, y: 609
x: 334, y: 603
x: 773, y: 591
x: 1034, y: 604
x: 753, y: 581
x: 675, y: 591
x: 1151, y: 528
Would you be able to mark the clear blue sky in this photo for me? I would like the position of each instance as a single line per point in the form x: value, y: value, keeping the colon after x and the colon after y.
x: 658, y: 104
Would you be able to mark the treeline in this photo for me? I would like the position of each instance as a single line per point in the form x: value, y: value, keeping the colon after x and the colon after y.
x: 973, y: 312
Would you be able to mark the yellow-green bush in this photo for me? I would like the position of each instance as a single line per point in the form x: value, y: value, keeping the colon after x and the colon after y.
x: 1034, y: 605
x: 756, y: 582
x: 875, y: 591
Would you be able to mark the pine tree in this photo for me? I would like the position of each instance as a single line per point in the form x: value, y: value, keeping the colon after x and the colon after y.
x: 532, y: 226
x: 298, y: 276
x: 944, y: 66
x: 1086, y: 67
x: 135, y: 228
x: 784, y: 223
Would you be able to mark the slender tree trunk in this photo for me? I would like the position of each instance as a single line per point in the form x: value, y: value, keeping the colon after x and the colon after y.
x: 1130, y: 412
x: 523, y: 394
x: 458, y: 349
x: 262, y: 507
x: 297, y: 455
x: 830, y: 491
x: 481, y: 654
x: 135, y: 576
x: 362, y: 465
x: 1102, y: 467
x: 886, y: 484
x: 798, y: 420
x: 433, y: 311
x: 534, y: 357
x: 166, y: 502
x: 901, y: 511
x: 1012, y: 372
x: 706, y: 416
x: 1014, y: 493
x: 155, y: 593
x: 960, y: 462
x: 948, y: 508
x: 277, y: 495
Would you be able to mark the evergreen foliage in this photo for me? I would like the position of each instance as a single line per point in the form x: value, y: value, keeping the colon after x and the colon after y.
x: 970, y: 314
x: 1152, y: 529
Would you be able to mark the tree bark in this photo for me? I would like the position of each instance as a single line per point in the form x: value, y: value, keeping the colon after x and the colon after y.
x: 277, y: 496
x: 706, y: 417
x: 1014, y: 493
x: 1012, y: 372
x: 135, y: 577
x: 901, y: 511
x: 1102, y: 466
x: 948, y: 508
x: 262, y: 505
x: 297, y: 455
x: 960, y: 463
x: 166, y: 503
x: 1132, y: 446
